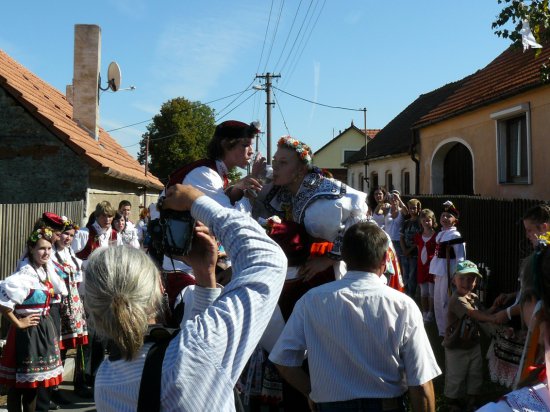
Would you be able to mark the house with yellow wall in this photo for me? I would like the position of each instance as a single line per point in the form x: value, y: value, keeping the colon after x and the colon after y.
x: 490, y: 137
x: 337, y: 151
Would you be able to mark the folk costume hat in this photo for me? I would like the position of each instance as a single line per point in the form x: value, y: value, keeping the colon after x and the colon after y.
x: 234, y: 129
x: 450, y: 208
x: 52, y: 220
x: 465, y: 267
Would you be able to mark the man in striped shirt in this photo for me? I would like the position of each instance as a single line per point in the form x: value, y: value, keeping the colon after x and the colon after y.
x: 365, y: 342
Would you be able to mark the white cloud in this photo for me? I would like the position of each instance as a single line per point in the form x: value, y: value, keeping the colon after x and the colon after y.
x: 193, y: 55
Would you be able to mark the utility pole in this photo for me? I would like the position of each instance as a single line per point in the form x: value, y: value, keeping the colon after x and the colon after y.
x: 267, y: 87
x: 366, y: 150
x: 146, y: 169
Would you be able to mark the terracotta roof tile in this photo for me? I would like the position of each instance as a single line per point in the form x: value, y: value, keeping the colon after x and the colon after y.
x: 52, y: 109
x: 513, y: 72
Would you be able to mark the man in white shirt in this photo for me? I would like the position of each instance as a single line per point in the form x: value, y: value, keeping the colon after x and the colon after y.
x: 365, y: 342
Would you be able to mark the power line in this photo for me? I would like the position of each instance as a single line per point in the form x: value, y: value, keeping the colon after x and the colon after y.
x: 280, y: 111
x: 219, y: 118
x: 288, y: 36
x: 206, y: 103
x: 297, y: 36
x: 265, y: 36
x: 274, y: 34
x: 236, y: 98
x: 294, y: 64
x: 319, y: 104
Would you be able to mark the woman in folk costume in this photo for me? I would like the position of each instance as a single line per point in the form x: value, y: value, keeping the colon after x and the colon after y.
x: 74, y: 330
x: 449, y: 249
x: 320, y: 207
x: 31, y: 357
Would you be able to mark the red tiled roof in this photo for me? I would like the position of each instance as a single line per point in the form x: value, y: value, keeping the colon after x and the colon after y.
x: 52, y: 109
x: 371, y: 133
x: 510, y: 73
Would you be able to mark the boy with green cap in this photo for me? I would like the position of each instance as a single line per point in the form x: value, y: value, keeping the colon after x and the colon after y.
x: 463, y: 361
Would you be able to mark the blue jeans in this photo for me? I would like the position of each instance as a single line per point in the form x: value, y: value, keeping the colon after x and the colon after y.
x: 364, y: 405
x: 408, y: 263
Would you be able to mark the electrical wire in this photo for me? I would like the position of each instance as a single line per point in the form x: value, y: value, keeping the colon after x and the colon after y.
x: 318, y: 104
x: 240, y: 104
x: 207, y: 103
x: 288, y: 36
x: 236, y: 98
x: 294, y: 64
x: 265, y: 36
x: 280, y: 111
x: 274, y: 34
x: 297, y: 36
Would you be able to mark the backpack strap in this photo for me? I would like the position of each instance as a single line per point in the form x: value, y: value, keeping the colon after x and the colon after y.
x: 149, y: 388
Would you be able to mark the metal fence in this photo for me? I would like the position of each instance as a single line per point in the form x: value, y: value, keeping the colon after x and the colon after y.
x: 16, y: 222
x: 494, y: 234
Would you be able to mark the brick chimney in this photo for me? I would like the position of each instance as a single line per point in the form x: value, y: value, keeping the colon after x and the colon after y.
x: 87, y: 61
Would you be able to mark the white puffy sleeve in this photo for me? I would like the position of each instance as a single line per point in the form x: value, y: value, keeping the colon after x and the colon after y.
x: 14, y: 289
x: 80, y: 239
x: 328, y: 219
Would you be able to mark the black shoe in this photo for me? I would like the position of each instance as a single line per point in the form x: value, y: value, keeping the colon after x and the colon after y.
x: 53, y: 406
x: 58, y: 398
x: 84, y: 391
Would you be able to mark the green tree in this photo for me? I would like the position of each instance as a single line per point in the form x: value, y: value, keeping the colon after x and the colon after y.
x: 177, y: 136
x: 515, y: 11
x: 537, y: 15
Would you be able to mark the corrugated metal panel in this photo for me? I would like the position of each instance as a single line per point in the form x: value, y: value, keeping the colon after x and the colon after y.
x: 16, y: 222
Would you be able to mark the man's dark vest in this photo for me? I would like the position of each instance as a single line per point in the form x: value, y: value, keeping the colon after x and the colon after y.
x: 93, y: 242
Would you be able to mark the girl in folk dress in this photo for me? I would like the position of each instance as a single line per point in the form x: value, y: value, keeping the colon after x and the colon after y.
x: 74, y: 330
x: 31, y: 357
x: 425, y: 241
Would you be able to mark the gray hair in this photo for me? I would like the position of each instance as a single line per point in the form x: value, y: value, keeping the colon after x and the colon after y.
x: 122, y: 292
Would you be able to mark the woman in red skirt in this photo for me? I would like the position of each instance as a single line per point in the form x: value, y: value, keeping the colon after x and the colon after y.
x: 31, y: 356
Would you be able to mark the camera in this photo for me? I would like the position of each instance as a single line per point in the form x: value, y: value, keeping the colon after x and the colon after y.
x: 177, y: 231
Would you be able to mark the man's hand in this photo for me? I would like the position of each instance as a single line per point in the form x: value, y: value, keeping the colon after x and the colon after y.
x: 181, y: 197
x: 203, y: 256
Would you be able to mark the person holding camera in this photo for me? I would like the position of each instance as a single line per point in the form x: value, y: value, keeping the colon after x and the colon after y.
x: 203, y: 360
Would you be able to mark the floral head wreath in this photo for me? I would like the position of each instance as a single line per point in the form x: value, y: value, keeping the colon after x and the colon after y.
x: 43, y: 232
x: 303, y: 150
x: 69, y: 224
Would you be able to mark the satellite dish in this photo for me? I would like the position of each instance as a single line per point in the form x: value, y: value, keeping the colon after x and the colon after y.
x: 113, y: 76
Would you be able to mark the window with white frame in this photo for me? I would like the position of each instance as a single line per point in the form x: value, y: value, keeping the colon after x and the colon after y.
x: 513, y: 144
x: 352, y: 180
x: 361, y: 182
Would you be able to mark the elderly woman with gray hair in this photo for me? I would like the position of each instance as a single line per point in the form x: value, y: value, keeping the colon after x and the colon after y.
x: 204, y: 359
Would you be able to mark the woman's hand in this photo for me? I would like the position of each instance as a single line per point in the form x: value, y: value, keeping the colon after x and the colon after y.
x: 27, y: 321
x: 313, y: 266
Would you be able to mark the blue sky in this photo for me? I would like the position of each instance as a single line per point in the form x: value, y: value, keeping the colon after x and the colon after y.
x: 349, y: 53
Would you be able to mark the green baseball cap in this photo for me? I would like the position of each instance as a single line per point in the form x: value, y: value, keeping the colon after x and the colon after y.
x: 465, y: 267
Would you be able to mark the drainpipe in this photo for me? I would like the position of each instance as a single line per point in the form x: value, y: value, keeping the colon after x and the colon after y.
x: 412, y: 152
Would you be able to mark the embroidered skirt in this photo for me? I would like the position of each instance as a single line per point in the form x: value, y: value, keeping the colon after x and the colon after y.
x: 74, y: 330
x: 31, y: 357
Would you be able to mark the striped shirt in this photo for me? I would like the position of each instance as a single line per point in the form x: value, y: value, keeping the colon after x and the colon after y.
x: 203, y: 362
x: 363, y: 339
